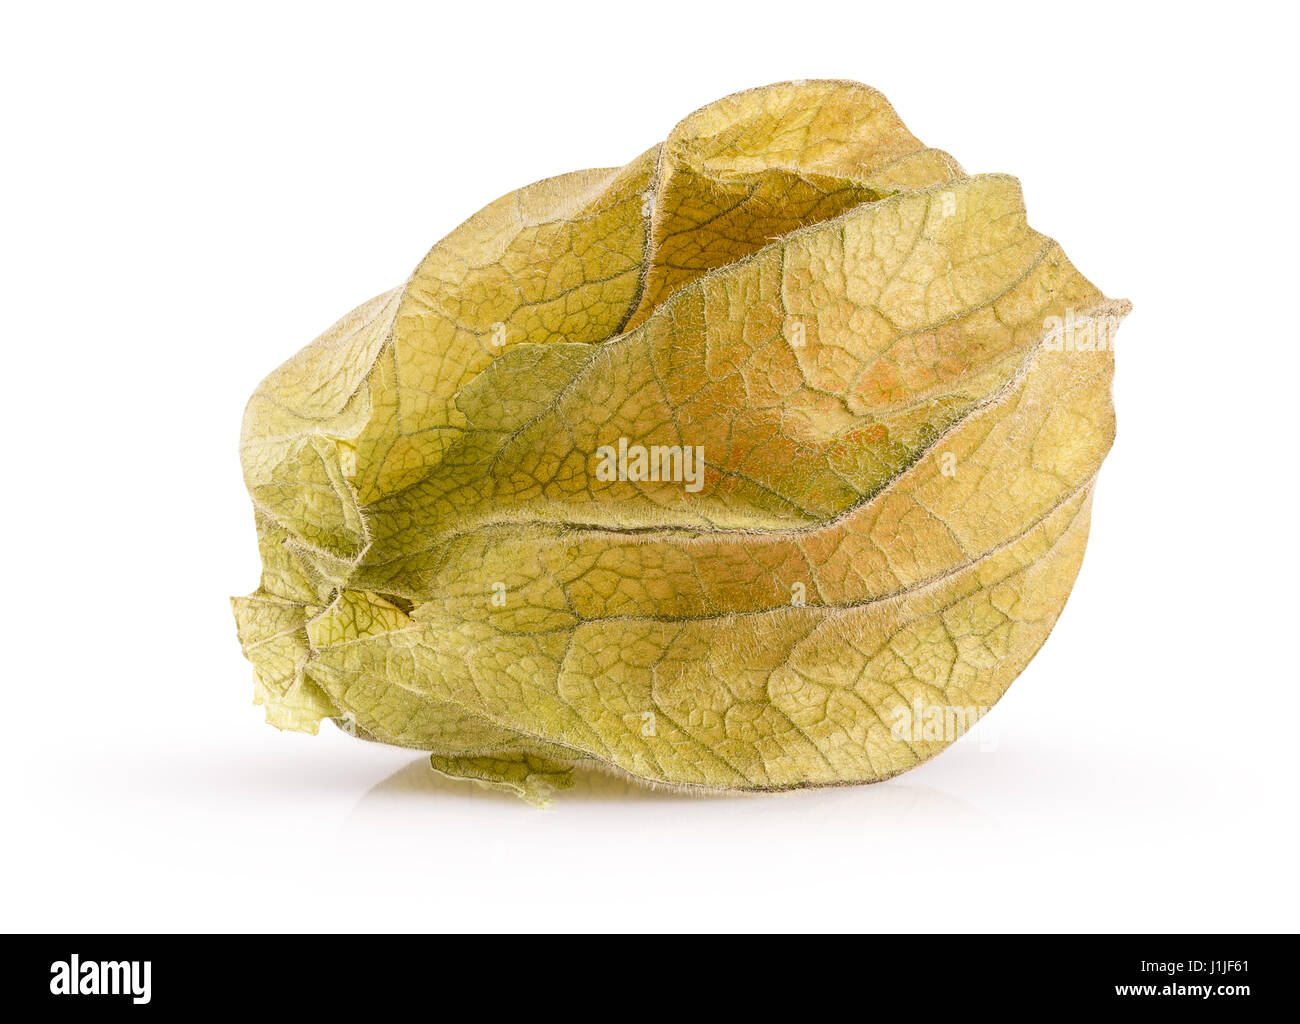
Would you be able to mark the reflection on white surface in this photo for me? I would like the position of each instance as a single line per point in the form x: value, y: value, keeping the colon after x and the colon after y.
x: 320, y: 833
x: 418, y: 789
x: 629, y: 858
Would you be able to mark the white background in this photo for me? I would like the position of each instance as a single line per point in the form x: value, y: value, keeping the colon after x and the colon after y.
x: 190, y: 197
